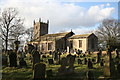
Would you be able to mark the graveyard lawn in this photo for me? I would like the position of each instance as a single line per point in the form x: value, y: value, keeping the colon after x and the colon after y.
x: 12, y: 73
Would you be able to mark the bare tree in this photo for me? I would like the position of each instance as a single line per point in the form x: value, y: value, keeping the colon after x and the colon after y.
x: 9, y: 22
x: 109, y: 32
x: 29, y: 33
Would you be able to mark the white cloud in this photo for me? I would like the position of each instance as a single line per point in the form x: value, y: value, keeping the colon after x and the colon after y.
x: 61, y: 16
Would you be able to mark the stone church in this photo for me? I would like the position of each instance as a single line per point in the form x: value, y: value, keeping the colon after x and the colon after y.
x: 61, y: 41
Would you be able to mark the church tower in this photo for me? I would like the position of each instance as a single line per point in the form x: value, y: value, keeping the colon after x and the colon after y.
x: 40, y: 28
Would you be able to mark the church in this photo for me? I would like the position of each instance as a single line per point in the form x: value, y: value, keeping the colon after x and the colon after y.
x: 68, y: 41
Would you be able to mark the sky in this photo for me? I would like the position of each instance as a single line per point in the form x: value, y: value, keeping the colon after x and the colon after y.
x: 80, y: 16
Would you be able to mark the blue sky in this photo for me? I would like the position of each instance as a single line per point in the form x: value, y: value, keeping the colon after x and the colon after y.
x: 80, y: 16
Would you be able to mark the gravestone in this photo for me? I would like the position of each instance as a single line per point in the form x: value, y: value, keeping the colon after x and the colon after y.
x: 71, y: 64
x: 98, y: 57
x: 12, y: 59
x: 79, y: 61
x: 36, y: 57
x: 39, y: 71
x: 63, y: 70
x: 85, y: 60
x: 49, y: 73
x: 102, y: 63
x: 22, y: 63
x: 4, y: 60
x: 90, y: 75
x: 109, y: 67
x: 90, y: 64
x: 59, y: 54
x: 50, y: 61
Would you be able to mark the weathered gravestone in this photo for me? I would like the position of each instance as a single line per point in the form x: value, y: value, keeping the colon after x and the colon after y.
x: 90, y: 64
x: 36, y: 57
x: 79, y: 61
x: 22, y: 63
x: 71, y: 64
x: 63, y: 70
x: 109, y: 68
x: 50, y: 61
x: 4, y: 60
x: 39, y: 71
x: 90, y: 75
x: 12, y: 59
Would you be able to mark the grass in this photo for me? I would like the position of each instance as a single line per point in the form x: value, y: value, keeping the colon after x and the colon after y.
x: 11, y: 73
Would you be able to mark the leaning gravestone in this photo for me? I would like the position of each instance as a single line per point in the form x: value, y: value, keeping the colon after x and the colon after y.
x: 36, y: 57
x: 50, y: 61
x: 39, y: 71
x: 12, y: 59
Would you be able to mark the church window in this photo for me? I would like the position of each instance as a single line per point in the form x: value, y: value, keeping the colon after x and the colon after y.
x: 80, y: 43
x: 49, y: 46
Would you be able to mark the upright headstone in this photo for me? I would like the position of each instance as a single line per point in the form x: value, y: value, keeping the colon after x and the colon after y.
x: 71, y: 64
x: 109, y: 68
x: 90, y: 64
x: 39, y: 71
x: 63, y: 70
x: 12, y: 59
x: 98, y: 57
x: 59, y: 56
x: 4, y: 60
x: 36, y: 57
